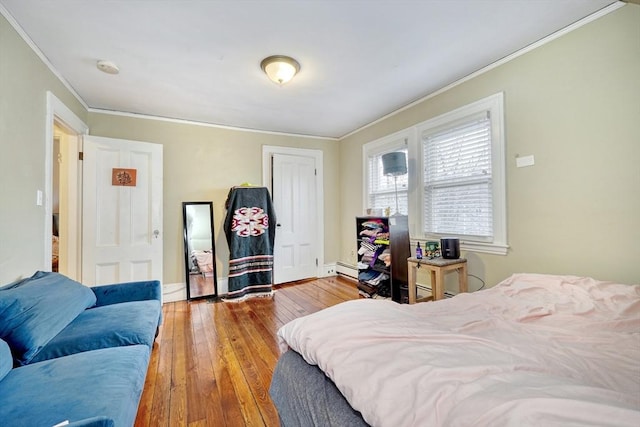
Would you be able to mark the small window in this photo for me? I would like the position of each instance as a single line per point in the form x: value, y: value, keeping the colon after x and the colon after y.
x: 381, y: 189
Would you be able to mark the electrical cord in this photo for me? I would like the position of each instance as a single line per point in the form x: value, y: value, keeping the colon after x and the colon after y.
x: 481, y: 281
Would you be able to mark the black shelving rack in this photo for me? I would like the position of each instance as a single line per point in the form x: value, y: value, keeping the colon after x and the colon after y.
x: 383, y: 249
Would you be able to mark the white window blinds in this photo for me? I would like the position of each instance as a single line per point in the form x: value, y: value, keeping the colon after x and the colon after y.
x: 381, y: 188
x: 458, y: 178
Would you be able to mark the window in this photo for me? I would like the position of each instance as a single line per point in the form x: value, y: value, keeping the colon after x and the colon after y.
x: 381, y: 189
x: 463, y: 191
x: 456, y: 181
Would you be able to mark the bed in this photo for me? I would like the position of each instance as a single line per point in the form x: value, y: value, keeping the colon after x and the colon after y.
x: 533, y: 350
x: 203, y: 262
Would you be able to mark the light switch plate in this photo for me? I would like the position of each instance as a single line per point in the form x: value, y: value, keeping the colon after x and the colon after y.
x: 525, y: 161
x: 39, y: 198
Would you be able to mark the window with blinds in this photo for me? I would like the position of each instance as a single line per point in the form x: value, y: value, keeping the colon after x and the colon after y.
x: 382, y: 188
x: 457, y: 185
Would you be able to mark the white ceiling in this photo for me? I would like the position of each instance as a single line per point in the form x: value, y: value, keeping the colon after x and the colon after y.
x: 200, y: 60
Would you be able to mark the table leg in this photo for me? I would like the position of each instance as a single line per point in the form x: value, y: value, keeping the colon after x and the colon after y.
x: 438, y: 285
x: 463, y: 283
x: 412, y: 283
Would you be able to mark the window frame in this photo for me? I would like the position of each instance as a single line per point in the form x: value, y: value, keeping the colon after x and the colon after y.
x: 415, y: 191
x: 399, y: 140
x: 494, y: 104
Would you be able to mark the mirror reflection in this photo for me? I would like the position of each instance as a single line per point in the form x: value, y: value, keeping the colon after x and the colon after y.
x: 199, y: 250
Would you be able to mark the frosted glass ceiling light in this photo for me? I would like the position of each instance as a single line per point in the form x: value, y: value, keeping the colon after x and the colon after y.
x: 280, y: 68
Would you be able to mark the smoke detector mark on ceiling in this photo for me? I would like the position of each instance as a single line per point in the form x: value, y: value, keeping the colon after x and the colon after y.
x: 108, y: 67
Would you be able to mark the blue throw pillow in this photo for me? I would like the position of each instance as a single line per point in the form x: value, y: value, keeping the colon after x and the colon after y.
x: 6, y: 361
x: 37, y: 310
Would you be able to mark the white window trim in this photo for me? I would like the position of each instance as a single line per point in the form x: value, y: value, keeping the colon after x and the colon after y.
x: 384, y: 144
x: 495, y: 104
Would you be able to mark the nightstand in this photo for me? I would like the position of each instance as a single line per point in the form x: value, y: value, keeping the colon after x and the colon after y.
x: 437, y: 268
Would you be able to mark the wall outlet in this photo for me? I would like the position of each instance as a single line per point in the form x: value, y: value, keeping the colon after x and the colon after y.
x: 329, y: 270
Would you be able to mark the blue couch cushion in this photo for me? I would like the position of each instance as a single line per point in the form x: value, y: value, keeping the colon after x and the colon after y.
x: 6, y: 360
x: 37, y: 310
x: 101, y: 383
x: 113, y: 325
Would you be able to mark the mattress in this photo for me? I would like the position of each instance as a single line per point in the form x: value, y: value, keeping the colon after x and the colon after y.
x: 305, y: 396
x: 533, y: 350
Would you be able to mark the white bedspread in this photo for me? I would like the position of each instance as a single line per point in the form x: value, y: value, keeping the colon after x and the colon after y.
x: 535, y: 350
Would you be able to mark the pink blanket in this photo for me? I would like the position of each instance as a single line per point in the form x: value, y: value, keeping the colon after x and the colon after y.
x: 204, y: 259
x: 535, y: 350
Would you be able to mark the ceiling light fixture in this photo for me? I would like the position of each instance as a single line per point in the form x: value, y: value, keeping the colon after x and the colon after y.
x: 280, y: 68
x: 108, y: 67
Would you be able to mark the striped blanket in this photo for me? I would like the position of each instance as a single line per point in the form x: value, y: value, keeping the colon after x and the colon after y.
x: 250, y: 230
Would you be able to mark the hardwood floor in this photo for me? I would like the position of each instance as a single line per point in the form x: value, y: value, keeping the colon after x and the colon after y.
x: 212, y: 362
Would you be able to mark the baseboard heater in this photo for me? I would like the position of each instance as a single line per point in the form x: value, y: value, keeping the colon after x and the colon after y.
x: 424, y: 287
x: 347, y: 270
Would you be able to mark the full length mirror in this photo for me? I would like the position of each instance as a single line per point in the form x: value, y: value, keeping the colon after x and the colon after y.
x: 199, y: 250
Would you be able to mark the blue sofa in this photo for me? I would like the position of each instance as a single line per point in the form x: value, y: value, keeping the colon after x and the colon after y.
x: 74, y: 353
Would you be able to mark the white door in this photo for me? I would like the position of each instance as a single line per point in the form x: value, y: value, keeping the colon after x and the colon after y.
x: 122, y: 224
x: 294, y: 200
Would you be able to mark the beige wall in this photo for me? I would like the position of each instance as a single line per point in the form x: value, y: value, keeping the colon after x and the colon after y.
x: 201, y: 163
x: 574, y: 104
x: 24, y: 82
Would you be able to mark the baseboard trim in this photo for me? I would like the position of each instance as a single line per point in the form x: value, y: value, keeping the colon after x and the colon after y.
x: 328, y: 270
x: 173, y: 292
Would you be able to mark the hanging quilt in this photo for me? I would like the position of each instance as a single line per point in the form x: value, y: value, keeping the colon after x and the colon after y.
x: 250, y: 230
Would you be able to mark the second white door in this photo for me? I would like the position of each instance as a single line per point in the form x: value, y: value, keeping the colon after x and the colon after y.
x: 122, y: 224
x: 294, y: 198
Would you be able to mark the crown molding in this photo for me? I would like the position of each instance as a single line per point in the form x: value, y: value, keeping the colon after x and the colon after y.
x: 40, y: 55
x: 205, y: 124
x: 602, y: 12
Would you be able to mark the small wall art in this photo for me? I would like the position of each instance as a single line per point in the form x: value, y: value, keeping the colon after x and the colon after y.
x: 123, y: 177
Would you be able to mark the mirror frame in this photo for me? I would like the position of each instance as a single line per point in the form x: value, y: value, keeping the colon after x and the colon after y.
x: 186, y: 251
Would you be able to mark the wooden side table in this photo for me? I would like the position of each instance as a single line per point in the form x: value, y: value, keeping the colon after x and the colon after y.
x: 437, y: 268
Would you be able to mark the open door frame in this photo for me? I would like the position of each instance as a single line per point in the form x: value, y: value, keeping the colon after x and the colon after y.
x: 59, y: 113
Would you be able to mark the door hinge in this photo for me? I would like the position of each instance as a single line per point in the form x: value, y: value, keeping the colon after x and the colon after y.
x: 315, y: 172
x: 316, y: 262
x: 80, y: 155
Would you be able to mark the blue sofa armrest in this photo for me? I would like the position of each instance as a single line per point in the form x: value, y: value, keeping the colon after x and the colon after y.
x: 100, y: 421
x: 125, y: 292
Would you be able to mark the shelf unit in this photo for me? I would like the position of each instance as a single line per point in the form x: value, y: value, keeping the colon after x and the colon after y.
x: 383, y: 249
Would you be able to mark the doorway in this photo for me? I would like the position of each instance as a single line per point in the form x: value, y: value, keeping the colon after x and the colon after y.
x: 62, y: 219
x: 64, y: 202
x: 295, y: 179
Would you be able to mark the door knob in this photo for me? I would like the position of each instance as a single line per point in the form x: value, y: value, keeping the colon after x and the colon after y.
x: 156, y: 233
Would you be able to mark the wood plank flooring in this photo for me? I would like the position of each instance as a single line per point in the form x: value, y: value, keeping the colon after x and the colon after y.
x: 212, y: 362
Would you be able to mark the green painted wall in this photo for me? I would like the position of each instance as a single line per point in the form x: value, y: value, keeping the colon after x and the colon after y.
x: 574, y: 103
